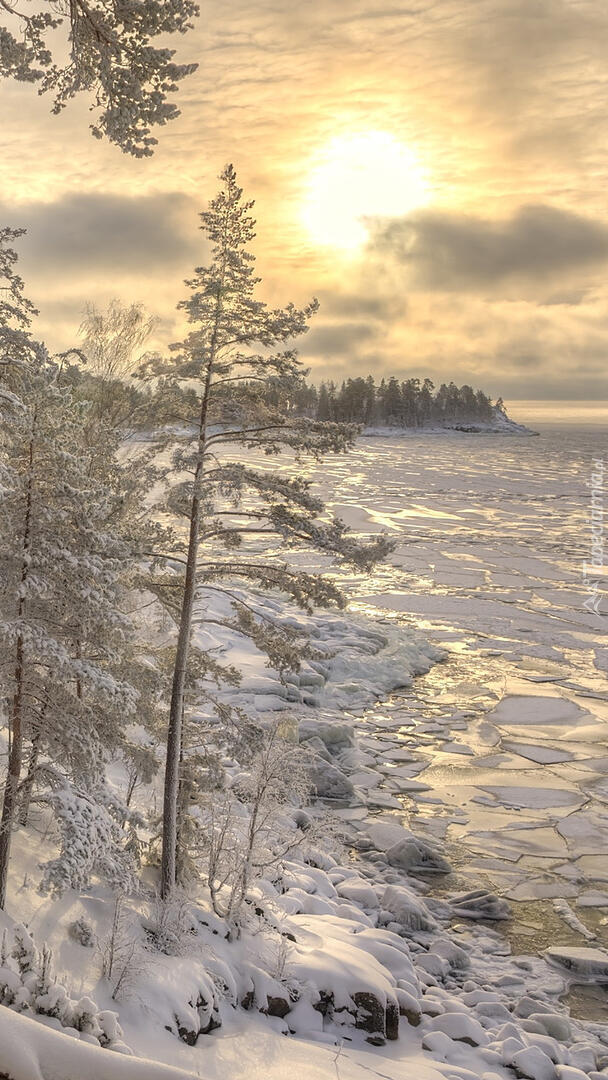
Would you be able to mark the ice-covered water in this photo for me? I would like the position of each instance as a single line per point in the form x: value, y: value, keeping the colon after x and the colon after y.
x: 508, y: 739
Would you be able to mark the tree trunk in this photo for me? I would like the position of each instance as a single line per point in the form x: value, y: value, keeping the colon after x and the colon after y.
x: 13, y: 776
x: 15, y: 757
x: 28, y: 784
x: 183, y: 801
x: 168, y: 866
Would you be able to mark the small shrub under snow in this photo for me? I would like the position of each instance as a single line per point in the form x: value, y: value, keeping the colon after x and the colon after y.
x: 28, y: 986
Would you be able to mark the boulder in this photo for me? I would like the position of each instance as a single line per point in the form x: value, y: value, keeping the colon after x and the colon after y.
x: 407, y: 909
x: 568, y: 1072
x: 328, y: 781
x: 335, y: 736
x: 433, y: 965
x: 448, y: 950
x: 359, y: 891
x: 529, y: 1006
x: 416, y: 856
x: 375, y: 1017
x: 409, y: 1006
x: 555, y: 1024
x: 202, y: 1019
x: 277, y: 1006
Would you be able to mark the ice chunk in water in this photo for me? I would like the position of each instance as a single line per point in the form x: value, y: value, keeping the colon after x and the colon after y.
x: 585, y: 962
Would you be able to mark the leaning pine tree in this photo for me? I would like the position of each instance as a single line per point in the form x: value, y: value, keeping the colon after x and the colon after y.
x: 238, y: 513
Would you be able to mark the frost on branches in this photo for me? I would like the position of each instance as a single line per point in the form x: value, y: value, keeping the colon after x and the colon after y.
x: 110, y: 56
x: 91, y: 843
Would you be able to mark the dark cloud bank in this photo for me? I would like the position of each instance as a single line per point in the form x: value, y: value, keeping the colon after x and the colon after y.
x: 446, y: 252
x: 92, y: 232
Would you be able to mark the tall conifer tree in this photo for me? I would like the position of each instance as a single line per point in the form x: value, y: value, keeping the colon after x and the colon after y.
x: 244, y: 381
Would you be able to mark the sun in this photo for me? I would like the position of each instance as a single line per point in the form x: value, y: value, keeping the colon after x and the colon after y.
x: 360, y: 176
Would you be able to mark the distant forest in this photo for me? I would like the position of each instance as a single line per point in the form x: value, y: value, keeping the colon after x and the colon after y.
x: 391, y: 403
x: 410, y: 403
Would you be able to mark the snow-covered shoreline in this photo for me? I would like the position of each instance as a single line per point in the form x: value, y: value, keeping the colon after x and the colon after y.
x: 374, y: 952
x: 373, y: 955
x: 500, y: 426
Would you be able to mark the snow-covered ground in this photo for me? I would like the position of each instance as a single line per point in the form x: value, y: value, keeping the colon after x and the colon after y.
x: 473, y: 789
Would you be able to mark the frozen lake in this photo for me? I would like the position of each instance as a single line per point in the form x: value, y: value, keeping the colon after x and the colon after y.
x: 506, y: 742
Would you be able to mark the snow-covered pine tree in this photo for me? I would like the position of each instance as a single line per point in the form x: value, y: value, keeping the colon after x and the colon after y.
x: 67, y: 671
x: 108, y: 53
x: 242, y: 379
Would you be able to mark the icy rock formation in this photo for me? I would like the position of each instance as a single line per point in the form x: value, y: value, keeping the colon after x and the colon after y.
x: 448, y: 950
x: 317, y: 746
x: 480, y: 904
x: 554, y: 1024
x: 415, y: 856
x: 328, y: 781
x: 334, y: 736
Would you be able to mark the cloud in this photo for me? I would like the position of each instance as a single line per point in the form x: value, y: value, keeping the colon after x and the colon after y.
x: 363, y: 302
x: 335, y: 339
x: 448, y: 252
x: 108, y: 233
x: 503, y: 102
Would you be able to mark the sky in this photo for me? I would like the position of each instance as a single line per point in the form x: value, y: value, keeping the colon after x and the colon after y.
x: 433, y: 171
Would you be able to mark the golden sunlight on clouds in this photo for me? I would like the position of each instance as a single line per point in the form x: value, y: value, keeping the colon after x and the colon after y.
x: 433, y: 170
x: 359, y: 176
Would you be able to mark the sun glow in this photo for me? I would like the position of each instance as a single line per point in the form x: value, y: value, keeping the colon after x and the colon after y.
x: 360, y: 176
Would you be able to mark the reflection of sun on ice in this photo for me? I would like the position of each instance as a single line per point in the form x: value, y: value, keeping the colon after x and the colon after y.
x: 359, y: 176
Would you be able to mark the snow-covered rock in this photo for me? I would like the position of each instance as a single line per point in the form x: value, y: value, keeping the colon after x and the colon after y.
x: 335, y: 736
x: 568, y: 1072
x: 408, y: 910
x: 456, y: 957
x: 555, y: 1024
x: 358, y: 890
x: 461, y: 1027
x: 533, y: 1064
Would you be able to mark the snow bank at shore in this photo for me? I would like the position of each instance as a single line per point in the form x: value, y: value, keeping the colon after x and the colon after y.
x: 356, y: 659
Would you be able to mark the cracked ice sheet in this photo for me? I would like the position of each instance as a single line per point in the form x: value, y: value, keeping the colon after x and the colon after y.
x: 522, y: 535
x: 534, y: 798
x: 513, y: 843
x: 543, y: 755
x: 536, y: 709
